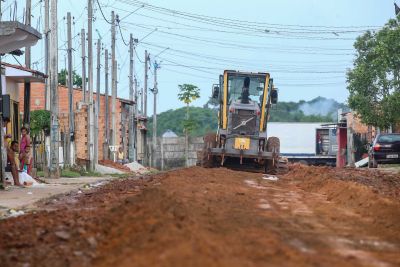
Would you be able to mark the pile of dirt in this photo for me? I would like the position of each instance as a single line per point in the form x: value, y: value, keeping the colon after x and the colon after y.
x: 115, y: 165
x: 211, y: 217
x: 371, y: 193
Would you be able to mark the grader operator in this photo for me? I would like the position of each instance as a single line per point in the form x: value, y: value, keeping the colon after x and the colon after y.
x: 242, y: 142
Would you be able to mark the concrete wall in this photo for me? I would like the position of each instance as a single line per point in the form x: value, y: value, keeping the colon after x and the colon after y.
x: 170, y: 152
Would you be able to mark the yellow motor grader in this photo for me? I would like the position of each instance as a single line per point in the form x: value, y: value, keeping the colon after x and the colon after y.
x: 242, y: 142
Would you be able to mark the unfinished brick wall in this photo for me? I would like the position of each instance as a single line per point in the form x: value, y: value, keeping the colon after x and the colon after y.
x: 81, y: 124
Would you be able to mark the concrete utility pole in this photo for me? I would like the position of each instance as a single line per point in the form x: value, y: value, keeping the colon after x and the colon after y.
x: 27, y: 85
x: 97, y: 109
x: 155, y: 92
x: 83, y: 45
x: 136, y: 113
x: 46, y: 52
x: 113, y: 81
x: 90, y: 87
x: 54, y: 146
x: 70, y: 136
x: 132, y: 115
x: 146, y: 77
x: 107, y: 111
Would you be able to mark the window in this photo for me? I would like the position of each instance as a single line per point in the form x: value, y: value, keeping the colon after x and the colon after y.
x: 236, y: 83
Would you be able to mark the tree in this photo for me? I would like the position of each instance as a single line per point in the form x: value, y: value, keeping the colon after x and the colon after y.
x: 76, y: 78
x: 187, y: 94
x: 40, y: 121
x: 374, y: 82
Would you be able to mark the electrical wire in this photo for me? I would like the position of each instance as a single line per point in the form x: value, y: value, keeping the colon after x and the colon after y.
x: 101, y: 11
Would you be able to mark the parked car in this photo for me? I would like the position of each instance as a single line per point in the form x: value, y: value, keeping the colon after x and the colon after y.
x: 384, y: 149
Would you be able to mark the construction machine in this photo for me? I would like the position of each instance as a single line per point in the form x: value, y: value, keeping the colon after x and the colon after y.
x: 242, y: 142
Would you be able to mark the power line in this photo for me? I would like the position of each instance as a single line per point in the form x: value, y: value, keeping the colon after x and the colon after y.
x: 101, y: 11
x: 235, y: 23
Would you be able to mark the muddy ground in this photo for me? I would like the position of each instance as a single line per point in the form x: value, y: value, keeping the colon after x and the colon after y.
x: 216, y: 217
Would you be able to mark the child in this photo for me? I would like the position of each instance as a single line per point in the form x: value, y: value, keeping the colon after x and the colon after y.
x: 26, y: 160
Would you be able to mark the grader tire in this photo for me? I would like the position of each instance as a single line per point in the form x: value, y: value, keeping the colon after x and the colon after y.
x: 209, y: 142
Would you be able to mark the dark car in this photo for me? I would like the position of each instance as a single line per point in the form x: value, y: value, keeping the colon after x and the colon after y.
x: 384, y: 149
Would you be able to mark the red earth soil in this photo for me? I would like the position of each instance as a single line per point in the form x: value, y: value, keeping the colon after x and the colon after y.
x: 215, y: 217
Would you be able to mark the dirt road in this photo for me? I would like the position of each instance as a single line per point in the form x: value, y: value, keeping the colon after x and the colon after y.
x: 216, y: 217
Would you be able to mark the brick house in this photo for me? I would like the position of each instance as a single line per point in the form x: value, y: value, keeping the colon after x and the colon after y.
x: 80, y: 111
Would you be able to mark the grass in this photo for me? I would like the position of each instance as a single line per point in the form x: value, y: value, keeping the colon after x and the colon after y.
x: 90, y: 174
x: 73, y: 173
x: 70, y: 174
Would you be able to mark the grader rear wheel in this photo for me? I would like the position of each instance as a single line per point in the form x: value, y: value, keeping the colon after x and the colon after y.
x: 210, y: 141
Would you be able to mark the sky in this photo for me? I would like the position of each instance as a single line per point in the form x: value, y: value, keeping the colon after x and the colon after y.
x: 306, y: 46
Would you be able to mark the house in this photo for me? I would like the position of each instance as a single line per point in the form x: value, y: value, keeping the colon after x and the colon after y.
x: 81, y: 123
x: 12, y: 79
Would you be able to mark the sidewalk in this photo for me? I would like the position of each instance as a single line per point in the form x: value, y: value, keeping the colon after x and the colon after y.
x: 19, y: 198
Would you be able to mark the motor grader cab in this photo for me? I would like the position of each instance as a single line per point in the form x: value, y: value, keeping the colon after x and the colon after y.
x: 245, y: 100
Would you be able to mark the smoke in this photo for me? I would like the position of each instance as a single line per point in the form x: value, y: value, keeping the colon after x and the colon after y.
x: 319, y: 106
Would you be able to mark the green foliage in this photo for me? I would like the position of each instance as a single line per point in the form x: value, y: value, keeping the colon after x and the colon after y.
x: 188, y: 93
x: 374, y: 82
x: 40, y: 120
x: 205, y: 119
x: 76, y: 78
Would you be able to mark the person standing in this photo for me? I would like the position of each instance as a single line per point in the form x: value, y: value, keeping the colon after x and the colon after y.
x: 25, y: 140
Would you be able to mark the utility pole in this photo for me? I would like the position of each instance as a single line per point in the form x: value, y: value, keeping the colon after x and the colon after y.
x: 54, y: 146
x: 113, y: 81
x: 46, y: 52
x: 97, y: 109
x: 83, y: 45
x: 70, y: 135
x: 90, y: 87
x: 107, y: 111
x: 155, y: 92
x: 136, y: 113
x: 132, y: 128
x: 146, y: 76
x: 27, y: 85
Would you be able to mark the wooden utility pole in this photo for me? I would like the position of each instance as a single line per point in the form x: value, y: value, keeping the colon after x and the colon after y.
x: 46, y: 52
x: 155, y: 92
x: 132, y: 128
x: 97, y: 109
x: 27, y: 84
x: 54, y: 146
x: 83, y: 45
x: 70, y: 136
x: 107, y: 111
x: 113, y: 81
x: 90, y: 88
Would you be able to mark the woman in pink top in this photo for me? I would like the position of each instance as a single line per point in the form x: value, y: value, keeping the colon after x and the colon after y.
x: 25, y: 140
